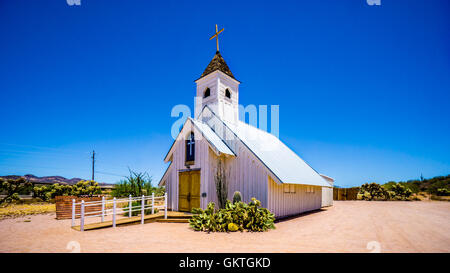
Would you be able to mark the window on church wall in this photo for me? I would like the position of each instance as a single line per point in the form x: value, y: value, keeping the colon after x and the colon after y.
x: 207, y: 93
x: 309, y: 189
x: 190, y: 149
x: 228, y: 93
x: 292, y: 188
x: 289, y: 188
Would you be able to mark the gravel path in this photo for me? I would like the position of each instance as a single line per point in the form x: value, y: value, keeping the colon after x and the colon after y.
x: 348, y: 226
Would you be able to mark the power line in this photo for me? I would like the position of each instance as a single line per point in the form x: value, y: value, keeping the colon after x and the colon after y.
x: 113, y: 174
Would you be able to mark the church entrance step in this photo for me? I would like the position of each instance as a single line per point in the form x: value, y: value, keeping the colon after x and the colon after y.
x: 179, y: 217
x: 173, y: 220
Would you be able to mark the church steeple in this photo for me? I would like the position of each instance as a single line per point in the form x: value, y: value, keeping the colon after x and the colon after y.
x: 217, y: 63
x: 218, y: 88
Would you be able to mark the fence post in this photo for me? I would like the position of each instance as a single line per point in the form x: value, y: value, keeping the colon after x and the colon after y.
x: 82, y: 216
x: 165, y: 205
x: 129, y: 205
x: 114, y: 212
x: 103, y: 208
x: 73, y: 212
x: 142, y: 210
x: 153, y: 202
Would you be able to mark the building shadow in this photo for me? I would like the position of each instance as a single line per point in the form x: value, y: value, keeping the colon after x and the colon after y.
x: 295, y: 216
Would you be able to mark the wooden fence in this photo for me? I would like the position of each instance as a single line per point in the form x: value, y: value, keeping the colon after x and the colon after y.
x: 345, y: 193
x: 64, y: 206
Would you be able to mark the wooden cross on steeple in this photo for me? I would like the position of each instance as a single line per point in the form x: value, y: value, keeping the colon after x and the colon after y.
x: 217, y: 37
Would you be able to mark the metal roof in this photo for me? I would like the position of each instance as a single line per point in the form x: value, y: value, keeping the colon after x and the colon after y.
x: 282, y: 161
x: 212, y: 137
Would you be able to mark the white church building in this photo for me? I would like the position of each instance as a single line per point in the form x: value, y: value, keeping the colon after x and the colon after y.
x: 257, y: 163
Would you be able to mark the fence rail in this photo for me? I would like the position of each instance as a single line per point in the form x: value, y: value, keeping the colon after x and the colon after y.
x: 146, y: 203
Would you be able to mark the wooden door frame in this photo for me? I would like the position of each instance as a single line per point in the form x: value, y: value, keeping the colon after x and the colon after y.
x: 179, y: 180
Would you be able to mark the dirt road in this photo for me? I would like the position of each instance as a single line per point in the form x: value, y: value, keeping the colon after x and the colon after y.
x: 348, y: 226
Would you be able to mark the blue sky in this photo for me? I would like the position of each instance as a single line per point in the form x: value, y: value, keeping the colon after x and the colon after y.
x: 363, y: 90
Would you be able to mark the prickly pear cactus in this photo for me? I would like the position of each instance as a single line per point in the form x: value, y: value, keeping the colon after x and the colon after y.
x: 232, y: 227
x: 235, y: 216
x: 237, y: 197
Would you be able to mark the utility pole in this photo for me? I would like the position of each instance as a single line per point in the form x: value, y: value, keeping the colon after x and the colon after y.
x: 93, y: 163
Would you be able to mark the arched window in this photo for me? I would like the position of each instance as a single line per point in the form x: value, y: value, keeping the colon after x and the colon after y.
x: 207, y: 93
x: 228, y: 93
x: 190, y: 148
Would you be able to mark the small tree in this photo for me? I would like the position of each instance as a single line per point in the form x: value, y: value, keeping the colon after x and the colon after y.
x: 89, y: 187
x: 401, y: 191
x: 220, y: 178
x: 43, y: 192
x: 11, y: 189
x: 373, y: 191
x: 136, y: 184
x: 48, y: 192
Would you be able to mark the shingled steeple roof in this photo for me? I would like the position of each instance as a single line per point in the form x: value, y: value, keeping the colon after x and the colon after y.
x: 217, y: 63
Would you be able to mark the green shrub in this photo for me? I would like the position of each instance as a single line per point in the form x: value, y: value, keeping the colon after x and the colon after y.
x: 237, y: 216
x: 237, y: 197
x: 443, y: 192
x: 42, y: 192
x: 45, y: 193
x: 400, y: 192
x: 136, y: 184
x: 84, y: 188
x: 11, y: 188
x: 373, y: 191
x: 389, y: 191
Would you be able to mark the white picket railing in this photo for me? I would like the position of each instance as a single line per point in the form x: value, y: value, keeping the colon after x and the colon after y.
x: 145, y: 200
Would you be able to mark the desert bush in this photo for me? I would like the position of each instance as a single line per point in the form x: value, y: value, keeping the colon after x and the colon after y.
x: 373, y: 191
x: 430, y: 185
x: 237, y: 197
x: 443, y: 192
x: 391, y: 191
x: 42, y: 192
x: 11, y: 189
x: 16, y: 210
x: 237, y: 216
x: 82, y: 188
x: 136, y: 184
x: 400, y: 192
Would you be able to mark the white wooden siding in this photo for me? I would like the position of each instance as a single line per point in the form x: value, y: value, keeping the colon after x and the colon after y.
x: 327, y: 196
x: 246, y: 174
x: 284, y: 204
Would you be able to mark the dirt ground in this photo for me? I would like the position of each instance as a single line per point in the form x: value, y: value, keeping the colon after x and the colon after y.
x: 348, y: 226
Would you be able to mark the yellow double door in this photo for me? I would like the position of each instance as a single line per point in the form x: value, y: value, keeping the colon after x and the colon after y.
x: 189, y: 190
